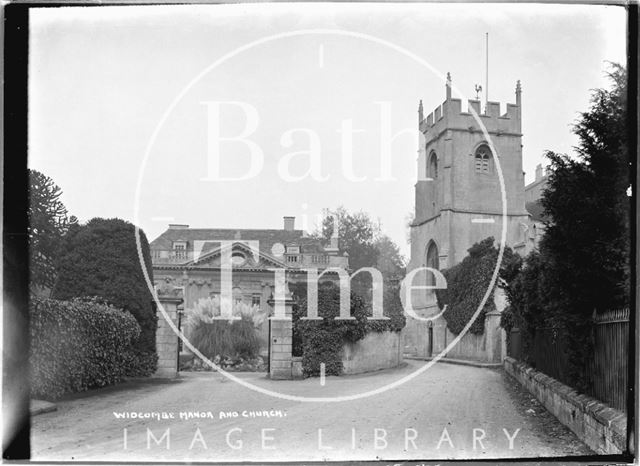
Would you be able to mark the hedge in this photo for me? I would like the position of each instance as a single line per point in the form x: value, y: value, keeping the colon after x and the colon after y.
x: 81, y: 344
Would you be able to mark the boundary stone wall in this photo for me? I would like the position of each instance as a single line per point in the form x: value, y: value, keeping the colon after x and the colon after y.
x: 602, y: 428
x: 488, y: 347
x: 377, y: 350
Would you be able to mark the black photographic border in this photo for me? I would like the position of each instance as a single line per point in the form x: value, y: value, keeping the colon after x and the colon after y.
x: 15, y: 380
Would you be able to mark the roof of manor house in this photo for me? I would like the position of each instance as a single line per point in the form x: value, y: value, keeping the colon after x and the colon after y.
x: 267, y: 238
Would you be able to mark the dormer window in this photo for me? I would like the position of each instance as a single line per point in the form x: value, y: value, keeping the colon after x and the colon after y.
x: 483, y: 159
x: 180, y: 249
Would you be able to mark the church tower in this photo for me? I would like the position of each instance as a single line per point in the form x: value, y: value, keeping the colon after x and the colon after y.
x: 458, y: 200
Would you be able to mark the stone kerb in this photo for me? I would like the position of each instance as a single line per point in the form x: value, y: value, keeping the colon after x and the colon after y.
x: 166, y: 339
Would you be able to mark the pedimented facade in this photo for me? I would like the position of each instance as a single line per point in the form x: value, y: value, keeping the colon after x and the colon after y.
x: 192, y: 258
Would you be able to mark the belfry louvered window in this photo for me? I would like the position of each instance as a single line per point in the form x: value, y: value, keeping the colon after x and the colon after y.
x: 483, y: 159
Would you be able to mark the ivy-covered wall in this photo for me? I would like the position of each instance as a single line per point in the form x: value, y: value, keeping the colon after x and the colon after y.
x: 323, y: 341
x: 467, y: 283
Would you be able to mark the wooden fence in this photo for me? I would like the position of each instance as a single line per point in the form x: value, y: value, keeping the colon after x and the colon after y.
x: 608, y: 370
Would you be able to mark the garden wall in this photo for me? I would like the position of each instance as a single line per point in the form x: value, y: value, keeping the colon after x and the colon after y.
x: 470, y: 346
x: 377, y: 350
x: 428, y: 339
x: 602, y: 428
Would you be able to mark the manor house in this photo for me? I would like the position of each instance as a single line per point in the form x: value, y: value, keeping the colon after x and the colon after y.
x: 191, y: 258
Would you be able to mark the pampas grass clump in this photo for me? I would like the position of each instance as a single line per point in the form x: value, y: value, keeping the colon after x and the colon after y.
x: 223, y: 339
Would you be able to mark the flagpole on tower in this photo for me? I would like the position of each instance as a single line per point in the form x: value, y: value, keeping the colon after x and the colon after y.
x: 486, y: 81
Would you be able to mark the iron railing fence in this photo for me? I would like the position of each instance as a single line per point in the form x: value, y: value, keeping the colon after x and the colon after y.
x: 610, y: 364
x: 608, y: 368
x: 514, y: 344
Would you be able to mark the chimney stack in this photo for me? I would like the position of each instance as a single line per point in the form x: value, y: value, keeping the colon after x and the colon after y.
x: 289, y: 223
x: 177, y: 226
x: 538, y: 172
x: 334, y: 242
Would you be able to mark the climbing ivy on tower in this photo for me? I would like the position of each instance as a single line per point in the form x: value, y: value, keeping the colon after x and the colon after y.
x: 467, y: 283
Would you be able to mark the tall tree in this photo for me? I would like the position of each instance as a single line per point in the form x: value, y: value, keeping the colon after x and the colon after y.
x: 358, y: 234
x: 48, y: 223
x: 587, y: 240
x: 101, y: 259
x: 361, y: 238
x: 584, y: 260
x: 390, y: 261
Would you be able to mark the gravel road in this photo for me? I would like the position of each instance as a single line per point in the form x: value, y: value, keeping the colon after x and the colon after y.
x: 448, y: 412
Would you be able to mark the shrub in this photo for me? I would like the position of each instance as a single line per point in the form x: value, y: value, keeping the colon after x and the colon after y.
x: 79, y: 344
x: 467, y: 283
x: 101, y: 259
x: 140, y: 363
x: 222, y: 339
x: 322, y: 340
x: 322, y: 346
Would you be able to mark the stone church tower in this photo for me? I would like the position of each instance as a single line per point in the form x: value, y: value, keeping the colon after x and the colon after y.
x: 458, y: 200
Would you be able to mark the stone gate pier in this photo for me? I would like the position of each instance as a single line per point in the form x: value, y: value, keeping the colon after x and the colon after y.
x: 281, y: 337
x: 166, y: 339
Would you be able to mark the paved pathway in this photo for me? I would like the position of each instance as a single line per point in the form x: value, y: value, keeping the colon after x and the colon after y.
x: 431, y: 417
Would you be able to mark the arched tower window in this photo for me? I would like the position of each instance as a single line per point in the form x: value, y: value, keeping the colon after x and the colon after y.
x: 483, y: 159
x: 433, y: 262
x: 432, y: 166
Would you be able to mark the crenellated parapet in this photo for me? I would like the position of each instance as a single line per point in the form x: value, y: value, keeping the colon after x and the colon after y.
x: 451, y: 116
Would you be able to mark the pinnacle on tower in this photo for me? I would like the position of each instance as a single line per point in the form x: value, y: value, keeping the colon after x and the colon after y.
x: 420, y: 112
x: 518, y: 93
x: 448, y: 86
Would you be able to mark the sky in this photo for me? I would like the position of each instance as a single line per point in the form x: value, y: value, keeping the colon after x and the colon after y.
x: 139, y: 112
